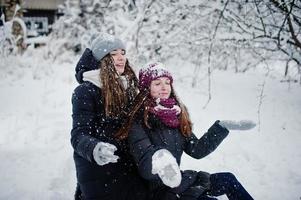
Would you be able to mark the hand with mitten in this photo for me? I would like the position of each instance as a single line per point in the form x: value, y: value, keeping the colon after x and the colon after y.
x: 103, y: 153
x: 165, y: 165
x: 237, y: 125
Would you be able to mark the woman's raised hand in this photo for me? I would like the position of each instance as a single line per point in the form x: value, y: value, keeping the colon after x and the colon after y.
x: 237, y: 125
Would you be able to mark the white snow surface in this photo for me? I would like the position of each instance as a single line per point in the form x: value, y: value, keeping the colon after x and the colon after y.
x: 35, y: 123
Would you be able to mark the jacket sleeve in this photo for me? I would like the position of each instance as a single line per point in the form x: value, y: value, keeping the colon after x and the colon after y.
x: 199, y: 148
x: 83, y: 115
x: 142, y: 151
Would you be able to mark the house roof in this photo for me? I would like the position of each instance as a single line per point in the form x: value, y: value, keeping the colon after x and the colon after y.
x: 42, y: 4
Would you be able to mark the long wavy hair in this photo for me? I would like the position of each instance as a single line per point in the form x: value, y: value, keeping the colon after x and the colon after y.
x: 116, y: 97
x: 145, y: 101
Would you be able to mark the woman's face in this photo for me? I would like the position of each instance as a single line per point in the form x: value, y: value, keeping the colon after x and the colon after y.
x: 160, y: 88
x: 119, y: 58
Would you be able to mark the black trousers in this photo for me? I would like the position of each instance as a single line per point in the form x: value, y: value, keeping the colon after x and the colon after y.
x: 226, y: 183
x: 220, y: 184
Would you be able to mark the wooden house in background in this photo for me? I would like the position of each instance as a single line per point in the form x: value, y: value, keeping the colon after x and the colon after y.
x: 38, y: 15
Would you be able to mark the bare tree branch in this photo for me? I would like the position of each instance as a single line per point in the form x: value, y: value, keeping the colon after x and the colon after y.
x: 261, y: 19
x: 287, y: 11
x: 209, y: 54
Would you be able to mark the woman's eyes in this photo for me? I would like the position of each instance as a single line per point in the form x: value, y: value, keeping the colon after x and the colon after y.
x: 165, y: 83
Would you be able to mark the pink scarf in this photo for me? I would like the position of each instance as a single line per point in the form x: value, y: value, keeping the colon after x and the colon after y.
x: 167, y: 111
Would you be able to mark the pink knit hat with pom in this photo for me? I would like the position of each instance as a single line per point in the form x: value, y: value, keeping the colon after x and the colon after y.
x: 152, y: 71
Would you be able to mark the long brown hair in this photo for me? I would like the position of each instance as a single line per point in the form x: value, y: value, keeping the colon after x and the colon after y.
x: 116, y: 97
x: 145, y: 101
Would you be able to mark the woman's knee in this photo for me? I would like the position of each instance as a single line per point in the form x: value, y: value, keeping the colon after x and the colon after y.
x: 227, y: 175
x: 223, y: 178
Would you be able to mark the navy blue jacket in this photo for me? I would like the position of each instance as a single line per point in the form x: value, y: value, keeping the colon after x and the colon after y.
x: 144, y: 142
x: 90, y: 126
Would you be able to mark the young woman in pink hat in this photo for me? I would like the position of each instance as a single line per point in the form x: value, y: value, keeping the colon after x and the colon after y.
x: 159, y: 130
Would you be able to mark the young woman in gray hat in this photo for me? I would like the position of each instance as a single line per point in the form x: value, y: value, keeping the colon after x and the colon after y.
x: 107, y: 84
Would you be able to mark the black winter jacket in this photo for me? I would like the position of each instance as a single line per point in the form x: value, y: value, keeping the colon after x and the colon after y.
x: 90, y: 126
x: 144, y: 142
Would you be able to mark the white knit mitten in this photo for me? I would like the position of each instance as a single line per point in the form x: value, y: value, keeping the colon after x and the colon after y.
x: 103, y: 153
x: 237, y: 125
x: 165, y: 165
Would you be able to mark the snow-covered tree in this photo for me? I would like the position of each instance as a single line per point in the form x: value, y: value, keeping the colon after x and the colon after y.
x: 12, y: 30
x: 226, y: 34
x: 270, y: 28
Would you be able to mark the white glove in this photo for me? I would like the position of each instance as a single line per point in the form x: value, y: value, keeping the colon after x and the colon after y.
x: 237, y: 125
x: 103, y: 153
x: 166, y: 166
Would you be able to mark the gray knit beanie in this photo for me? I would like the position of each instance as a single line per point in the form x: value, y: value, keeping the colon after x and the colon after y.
x: 103, y: 44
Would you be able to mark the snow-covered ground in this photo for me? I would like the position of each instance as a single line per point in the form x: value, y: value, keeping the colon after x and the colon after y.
x: 35, y: 122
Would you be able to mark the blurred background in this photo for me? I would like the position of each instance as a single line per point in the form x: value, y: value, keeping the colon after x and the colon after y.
x: 228, y: 34
x: 231, y: 59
